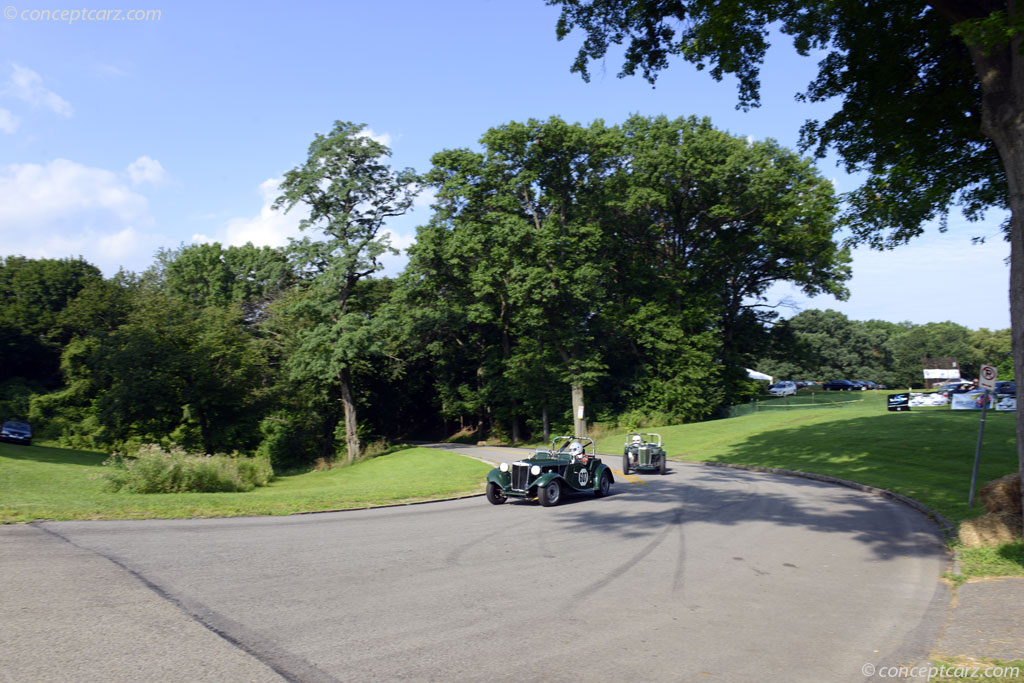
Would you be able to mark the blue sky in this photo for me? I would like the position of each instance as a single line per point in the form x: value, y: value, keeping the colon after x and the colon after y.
x: 118, y: 138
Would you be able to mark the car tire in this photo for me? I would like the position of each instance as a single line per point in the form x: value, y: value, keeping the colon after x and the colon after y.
x: 625, y: 464
x: 662, y: 465
x: 550, y: 494
x: 494, y: 494
x: 606, y: 485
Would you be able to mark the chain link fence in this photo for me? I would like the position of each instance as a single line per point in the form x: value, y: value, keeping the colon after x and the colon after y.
x: 813, y: 399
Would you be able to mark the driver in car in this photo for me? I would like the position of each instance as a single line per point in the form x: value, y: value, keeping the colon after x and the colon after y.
x: 576, y: 451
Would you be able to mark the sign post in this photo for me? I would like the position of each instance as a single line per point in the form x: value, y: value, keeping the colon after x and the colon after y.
x: 986, y: 381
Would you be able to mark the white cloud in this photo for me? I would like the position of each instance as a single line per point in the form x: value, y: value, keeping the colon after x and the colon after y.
x: 146, y: 170
x: 8, y: 121
x: 27, y: 86
x: 383, y: 138
x: 108, y: 70
x: 64, y: 208
x: 269, y: 227
x: 34, y: 192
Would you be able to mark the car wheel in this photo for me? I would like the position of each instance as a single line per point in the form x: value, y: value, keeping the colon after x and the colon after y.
x: 625, y: 464
x: 606, y: 485
x: 550, y: 494
x: 661, y: 465
x: 494, y: 494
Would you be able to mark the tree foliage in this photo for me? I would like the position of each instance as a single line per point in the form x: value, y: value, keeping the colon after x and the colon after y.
x: 349, y: 193
x: 620, y: 257
x: 910, y: 99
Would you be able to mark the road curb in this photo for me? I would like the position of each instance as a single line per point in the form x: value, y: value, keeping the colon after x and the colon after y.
x: 387, y: 505
x: 947, y: 527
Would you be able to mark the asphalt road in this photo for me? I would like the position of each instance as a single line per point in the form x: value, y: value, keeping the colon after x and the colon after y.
x: 701, y: 575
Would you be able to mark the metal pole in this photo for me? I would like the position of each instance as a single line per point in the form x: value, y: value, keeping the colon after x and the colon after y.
x: 977, y: 450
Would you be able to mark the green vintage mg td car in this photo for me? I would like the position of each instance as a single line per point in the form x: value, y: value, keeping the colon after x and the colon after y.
x: 570, y: 465
x: 643, y: 454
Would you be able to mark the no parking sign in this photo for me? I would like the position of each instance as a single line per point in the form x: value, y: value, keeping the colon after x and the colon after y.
x: 987, y: 377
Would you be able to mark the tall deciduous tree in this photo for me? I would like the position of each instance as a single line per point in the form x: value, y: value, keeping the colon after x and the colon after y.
x: 525, y: 215
x: 932, y: 99
x: 719, y: 219
x: 350, y: 193
x: 616, y: 251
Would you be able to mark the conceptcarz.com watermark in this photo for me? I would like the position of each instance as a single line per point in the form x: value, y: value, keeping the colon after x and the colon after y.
x: 70, y: 16
x: 932, y: 672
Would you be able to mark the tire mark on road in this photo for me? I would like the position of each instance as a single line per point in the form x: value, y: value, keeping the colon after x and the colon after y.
x: 283, y: 663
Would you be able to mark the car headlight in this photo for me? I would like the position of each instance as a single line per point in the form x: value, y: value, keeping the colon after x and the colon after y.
x: 535, y: 470
x: 503, y: 467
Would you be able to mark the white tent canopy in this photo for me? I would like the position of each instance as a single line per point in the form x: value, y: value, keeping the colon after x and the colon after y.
x: 754, y: 374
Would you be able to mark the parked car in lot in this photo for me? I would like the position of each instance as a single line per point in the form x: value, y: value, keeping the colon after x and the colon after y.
x: 569, y: 465
x: 869, y: 385
x: 784, y: 388
x: 16, y: 432
x: 955, y: 388
x: 842, y: 385
x: 1006, y: 387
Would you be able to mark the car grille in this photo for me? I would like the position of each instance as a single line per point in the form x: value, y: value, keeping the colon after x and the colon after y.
x: 643, y: 456
x: 520, y: 477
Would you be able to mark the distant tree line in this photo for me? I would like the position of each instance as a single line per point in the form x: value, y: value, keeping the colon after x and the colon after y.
x: 616, y: 268
x: 823, y: 345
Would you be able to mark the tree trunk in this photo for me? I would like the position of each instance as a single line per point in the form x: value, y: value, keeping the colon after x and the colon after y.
x: 327, y: 440
x: 351, y: 423
x: 204, y: 431
x: 999, y: 72
x: 1016, y: 180
x: 1017, y: 323
x: 506, y: 348
x: 579, y: 419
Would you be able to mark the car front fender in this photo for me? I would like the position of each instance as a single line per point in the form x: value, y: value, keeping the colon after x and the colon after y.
x: 599, y: 472
x: 545, y: 478
x: 502, y: 479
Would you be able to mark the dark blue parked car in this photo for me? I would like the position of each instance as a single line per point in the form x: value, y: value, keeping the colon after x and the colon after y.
x: 1006, y: 387
x: 842, y: 385
x: 16, y: 432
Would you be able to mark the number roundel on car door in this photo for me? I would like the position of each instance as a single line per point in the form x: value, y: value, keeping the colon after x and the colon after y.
x: 584, y: 476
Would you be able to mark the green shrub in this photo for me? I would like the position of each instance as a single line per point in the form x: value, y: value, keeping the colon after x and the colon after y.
x: 155, y: 470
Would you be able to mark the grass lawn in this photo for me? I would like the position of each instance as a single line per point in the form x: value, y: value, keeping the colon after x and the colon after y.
x: 51, y: 483
x: 926, y: 453
x: 964, y: 670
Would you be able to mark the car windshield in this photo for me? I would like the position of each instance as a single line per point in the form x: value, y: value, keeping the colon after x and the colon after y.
x: 21, y: 426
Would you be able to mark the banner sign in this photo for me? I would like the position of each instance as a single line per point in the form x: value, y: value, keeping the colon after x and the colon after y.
x: 1006, y: 402
x: 899, y: 402
x: 939, y: 373
x: 972, y: 401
